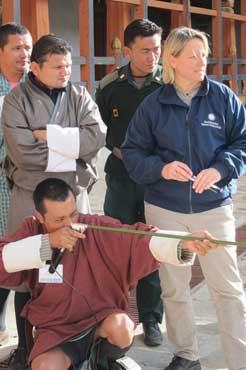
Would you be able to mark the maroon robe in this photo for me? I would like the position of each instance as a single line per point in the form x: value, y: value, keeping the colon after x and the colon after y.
x: 102, y: 269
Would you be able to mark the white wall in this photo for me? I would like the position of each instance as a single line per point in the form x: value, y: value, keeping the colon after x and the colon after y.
x: 64, y: 23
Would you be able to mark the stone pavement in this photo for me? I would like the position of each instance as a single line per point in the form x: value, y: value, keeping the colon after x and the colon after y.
x: 207, y: 330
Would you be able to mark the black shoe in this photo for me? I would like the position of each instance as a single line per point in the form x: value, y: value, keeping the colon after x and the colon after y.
x: 18, y: 360
x: 179, y: 363
x: 152, y: 333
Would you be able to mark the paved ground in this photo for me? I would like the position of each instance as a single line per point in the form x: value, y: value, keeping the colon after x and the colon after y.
x: 207, y: 330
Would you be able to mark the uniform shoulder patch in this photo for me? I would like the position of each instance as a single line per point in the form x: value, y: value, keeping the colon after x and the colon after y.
x: 108, y: 79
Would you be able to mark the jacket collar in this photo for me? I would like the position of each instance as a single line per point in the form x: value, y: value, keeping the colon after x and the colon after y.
x: 125, y: 74
x: 43, y: 87
x: 168, y: 94
x: 52, y: 93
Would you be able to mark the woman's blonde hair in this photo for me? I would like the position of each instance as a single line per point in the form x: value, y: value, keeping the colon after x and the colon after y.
x: 175, y: 43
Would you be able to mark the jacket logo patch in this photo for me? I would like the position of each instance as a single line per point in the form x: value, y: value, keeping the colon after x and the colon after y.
x: 211, y: 122
x: 116, y: 113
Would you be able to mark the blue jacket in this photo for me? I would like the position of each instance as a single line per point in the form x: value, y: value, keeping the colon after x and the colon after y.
x: 209, y: 133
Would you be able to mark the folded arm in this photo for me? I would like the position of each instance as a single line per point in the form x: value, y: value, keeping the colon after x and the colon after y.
x: 67, y: 144
x: 22, y: 147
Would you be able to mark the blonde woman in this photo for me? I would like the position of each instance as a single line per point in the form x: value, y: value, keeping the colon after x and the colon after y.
x: 186, y: 143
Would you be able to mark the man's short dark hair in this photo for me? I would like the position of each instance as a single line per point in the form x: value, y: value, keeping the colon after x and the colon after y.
x: 142, y: 28
x: 50, y: 189
x: 11, y: 29
x: 48, y: 45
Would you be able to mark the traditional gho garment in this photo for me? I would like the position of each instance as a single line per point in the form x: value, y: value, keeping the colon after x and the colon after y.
x: 75, y: 134
x: 102, y: 269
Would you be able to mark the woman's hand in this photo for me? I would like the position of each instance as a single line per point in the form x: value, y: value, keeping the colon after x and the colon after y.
x: 176, y: 170
x: 205, y: 179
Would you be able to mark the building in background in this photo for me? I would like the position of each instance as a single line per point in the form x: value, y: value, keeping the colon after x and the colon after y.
x: 95, y: 29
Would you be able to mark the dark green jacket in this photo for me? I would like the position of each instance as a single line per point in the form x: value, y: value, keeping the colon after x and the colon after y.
x: 118, y: 98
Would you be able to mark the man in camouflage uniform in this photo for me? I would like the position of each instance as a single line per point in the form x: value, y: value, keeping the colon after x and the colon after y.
x: 118, y: 96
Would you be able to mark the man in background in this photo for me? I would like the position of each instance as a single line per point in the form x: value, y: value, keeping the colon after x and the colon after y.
x: 118, y: 97
x: 15, y: 51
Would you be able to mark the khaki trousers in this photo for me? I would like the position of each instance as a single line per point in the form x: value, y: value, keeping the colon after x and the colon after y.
x: 222, y: 277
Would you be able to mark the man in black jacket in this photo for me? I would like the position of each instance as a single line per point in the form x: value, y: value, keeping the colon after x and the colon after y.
x: 118, y: 96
